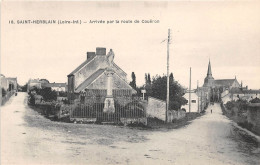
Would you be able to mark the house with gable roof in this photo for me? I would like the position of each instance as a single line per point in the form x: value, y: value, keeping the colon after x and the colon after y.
x: 91, y: 78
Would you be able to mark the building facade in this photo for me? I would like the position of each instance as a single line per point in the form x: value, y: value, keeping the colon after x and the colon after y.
x: 198, y: 101
x: 9, y: 83
x: 99, y: 79
x: 58, y: 87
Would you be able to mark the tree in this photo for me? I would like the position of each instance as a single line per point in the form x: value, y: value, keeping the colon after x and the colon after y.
x: 171, y: 80
x: 44, y: 80
x: 63, y: 94
x: 149, y: 79
x: 145, y: 78
x: 24, y: 88
x: 159, y: 90
x: 133, y: 82
x: 148, y: 84
x: 48, y: 94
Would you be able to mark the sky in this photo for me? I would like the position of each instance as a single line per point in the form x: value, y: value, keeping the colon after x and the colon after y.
x: 225, y: 32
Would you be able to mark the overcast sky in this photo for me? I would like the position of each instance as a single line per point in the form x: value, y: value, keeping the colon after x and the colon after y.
x: 226, y: 32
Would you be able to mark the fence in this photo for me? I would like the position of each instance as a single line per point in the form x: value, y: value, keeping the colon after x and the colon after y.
x: 133, y: 109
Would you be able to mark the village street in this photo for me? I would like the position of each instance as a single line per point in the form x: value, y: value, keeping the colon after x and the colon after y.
x: 29, y: 138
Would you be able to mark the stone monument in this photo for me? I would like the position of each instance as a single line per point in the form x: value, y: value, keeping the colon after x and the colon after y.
x: 109, y: 100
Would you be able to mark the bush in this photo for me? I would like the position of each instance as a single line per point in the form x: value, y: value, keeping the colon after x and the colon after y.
x: 255, y: 100
x: 63, y: 94
x: 230, y: 105
x: 48, y: 94
x: 65, y: 101
x: 240, y: 106
x: 32, y: 100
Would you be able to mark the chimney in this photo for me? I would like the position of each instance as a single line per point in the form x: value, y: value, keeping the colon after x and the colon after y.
x: 90, y: 55
x: 100, y: 51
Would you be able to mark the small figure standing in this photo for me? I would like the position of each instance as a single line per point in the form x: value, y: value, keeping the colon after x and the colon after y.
x: 211, y: 110
x: 110, y: 57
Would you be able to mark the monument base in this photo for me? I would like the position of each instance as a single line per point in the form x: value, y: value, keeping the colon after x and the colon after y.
x: 109, y: 105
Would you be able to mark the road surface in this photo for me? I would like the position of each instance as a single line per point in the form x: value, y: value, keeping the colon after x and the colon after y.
x: 29, y: 138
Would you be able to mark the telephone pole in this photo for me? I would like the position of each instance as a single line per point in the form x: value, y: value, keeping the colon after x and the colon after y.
x: 190, y: 90
x: 168, y: 80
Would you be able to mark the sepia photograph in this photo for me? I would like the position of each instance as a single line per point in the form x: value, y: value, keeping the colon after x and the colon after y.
x: 130, y: 82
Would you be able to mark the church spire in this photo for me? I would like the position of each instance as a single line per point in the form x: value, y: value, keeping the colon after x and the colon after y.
x: 209, y: 80
x: 209, y: 70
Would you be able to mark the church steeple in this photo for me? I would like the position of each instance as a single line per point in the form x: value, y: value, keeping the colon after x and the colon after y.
x: 209, y: 80
x: 209, y: 70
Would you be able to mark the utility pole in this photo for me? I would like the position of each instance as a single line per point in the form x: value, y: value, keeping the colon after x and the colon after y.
x: 201, y: 100
x: 168, y: 80
x: 197, y: 92
x: 190, y: 90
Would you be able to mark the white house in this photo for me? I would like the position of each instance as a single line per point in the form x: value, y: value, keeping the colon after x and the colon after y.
x: 198, y: 100
x: 56, y: 86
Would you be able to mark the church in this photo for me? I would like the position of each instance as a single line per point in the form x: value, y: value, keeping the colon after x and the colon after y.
x: 216, y: 87
x: 209, y: 81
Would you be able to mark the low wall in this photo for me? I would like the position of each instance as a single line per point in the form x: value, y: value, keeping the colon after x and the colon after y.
x: 156, y: 108
x: 4, y: 99
x: 175, y: 115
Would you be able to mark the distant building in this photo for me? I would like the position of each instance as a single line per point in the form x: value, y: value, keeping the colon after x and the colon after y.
x: 227, y: 89
x: 43, y: 83
x: 55, y: 86
x: 198, y: 100
x: 8, y: 88
x: 4, y: 82
x: 215, y: 88
x: 33, y: 83
x: 239, y: 93
x: 8, y: 83
x: 209, y: 81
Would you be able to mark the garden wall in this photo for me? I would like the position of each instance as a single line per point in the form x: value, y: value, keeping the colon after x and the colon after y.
x: 156, y: 108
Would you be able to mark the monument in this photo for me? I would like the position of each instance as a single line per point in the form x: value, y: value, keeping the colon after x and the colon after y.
x: 109, y: 100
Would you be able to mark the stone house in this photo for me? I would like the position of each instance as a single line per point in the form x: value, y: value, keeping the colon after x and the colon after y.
x: 99, y: 78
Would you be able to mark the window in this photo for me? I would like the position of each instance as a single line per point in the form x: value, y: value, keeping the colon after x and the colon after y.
x: 193, y: 101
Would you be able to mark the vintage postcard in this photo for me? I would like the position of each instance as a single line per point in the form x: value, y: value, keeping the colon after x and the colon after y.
x: 122, y: 82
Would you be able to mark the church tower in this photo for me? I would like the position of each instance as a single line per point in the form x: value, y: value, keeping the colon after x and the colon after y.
x: 209, y: 80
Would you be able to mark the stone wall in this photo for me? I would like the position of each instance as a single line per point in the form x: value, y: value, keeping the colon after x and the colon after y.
x: 156, y: 108
x: 175, y: 115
